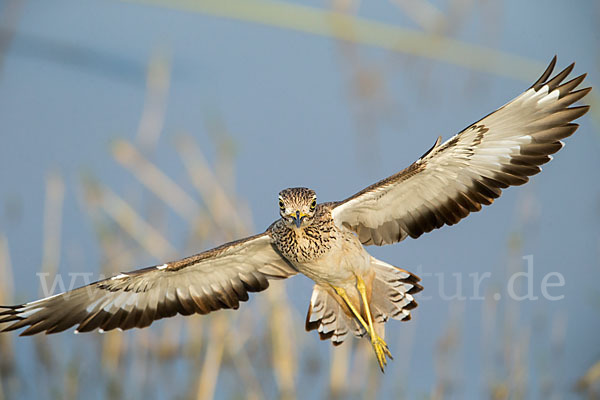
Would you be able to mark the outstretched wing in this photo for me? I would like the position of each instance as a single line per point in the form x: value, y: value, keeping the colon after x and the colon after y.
x: 471, y: 168
x: 209, y: 281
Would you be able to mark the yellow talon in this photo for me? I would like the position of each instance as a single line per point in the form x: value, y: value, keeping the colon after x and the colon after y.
x: 381, y: 350
x: 379, y: 345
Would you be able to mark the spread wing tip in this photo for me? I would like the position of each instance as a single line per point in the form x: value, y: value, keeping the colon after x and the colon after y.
x: 546, y: 74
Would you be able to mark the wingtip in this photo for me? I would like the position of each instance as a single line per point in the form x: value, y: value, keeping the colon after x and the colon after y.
x: 538, y: 84
x: 584, y: 109
x: 14, y: 307
x: 435, y: 145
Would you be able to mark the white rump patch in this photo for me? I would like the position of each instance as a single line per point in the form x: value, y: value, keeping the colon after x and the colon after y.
x: 161, y: 267
x: 120, y: 276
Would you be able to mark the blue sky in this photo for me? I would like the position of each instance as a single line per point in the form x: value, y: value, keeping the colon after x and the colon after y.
x: 73, y: 80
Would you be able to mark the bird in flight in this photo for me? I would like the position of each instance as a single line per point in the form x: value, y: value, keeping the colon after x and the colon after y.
x: 354, y: 292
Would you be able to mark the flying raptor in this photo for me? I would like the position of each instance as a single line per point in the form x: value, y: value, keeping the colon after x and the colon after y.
x: 354, y: 292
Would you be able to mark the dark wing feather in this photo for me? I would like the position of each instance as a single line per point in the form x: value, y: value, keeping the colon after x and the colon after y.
x: 209, y: 281
x: 470, y: 169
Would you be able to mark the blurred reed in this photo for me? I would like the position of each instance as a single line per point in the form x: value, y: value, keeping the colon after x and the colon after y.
x: 589, y: 384
x: 51, y: 254
x: 261, y: 343
x: 7, y: 356
x: 436, y: 44
x: 220, y: 209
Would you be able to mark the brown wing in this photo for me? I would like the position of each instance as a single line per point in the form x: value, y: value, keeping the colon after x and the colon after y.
x: 209, y: 281
x: 470, y: 169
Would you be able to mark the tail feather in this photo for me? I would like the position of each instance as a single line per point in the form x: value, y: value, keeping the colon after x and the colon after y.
x: 331, y: 319
x: 392, y: 292
x: 391, y: 296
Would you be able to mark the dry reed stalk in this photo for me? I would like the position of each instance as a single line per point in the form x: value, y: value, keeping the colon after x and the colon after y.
x: 51, y: 250
x: 195, y: 333
x: 128, y: 219
x: 10, y: 14
x: 558, y: 340
x: 7, y: 357
x: 425, y: 14
x: 490, y: 318
x: 373, y: 374
x: 357, y: 376
x: 113, y: 344
x: 71, y: 380
x: 284, y: 357
x: 224, y: 166
x: 158, y: 81
x: 133, y: 160
x: 338, y: 370
x: 154, y: 179
x: 151, y: 240
x: 446, y: 356
x: 114, y: 347
x: 220, y: 207
x: 404, y: 347
x: 55, y: 194
x: 243, y: 366
x: 214, y: 356
x: 518, y: 376
x: 168, y: 345
x: 241, y: 330
x: 320, y: 22
x: 589, y: 383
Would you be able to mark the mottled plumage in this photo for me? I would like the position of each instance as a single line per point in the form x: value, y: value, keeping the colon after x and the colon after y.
x: 354, y: 292
x: 309, y: 243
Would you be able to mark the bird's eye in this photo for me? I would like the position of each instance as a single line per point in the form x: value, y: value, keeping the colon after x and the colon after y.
x: 313, y: 204
x: 281, y: 205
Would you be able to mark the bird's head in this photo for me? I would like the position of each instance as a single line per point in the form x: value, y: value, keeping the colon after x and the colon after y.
x: 297, y: 206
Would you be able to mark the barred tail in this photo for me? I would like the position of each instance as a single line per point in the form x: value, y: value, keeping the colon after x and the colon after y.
x: 391, y: 291
x: 328, y: 314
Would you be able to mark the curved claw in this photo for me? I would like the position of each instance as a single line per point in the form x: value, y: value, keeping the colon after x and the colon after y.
x: 381, y: 351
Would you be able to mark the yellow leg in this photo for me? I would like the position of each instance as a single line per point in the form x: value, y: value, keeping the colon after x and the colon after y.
x: 379, y: 345
x: 344, y: 296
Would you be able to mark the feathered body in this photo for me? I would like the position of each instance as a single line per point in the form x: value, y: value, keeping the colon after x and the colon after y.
x: 333, y: 257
